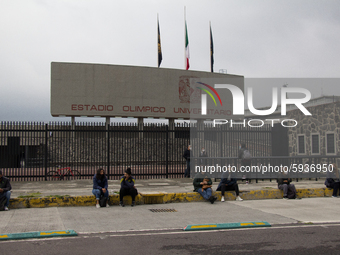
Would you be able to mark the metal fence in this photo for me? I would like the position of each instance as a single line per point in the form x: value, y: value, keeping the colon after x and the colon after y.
x: 28, y: 151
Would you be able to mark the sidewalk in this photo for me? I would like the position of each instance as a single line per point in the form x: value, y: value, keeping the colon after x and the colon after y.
x: 151, y: 191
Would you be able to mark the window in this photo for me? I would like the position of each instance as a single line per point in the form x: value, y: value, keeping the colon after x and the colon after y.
x: 315, y: 144
x: 330, y: 143
x: 301, y: 144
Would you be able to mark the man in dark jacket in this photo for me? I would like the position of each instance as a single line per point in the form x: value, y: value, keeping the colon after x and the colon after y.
x: 127, y: 187
x: 186, y: 155
x: 202, y: 185
x: 5, y: 190
x: 228, y: 184
x: 333, y: 180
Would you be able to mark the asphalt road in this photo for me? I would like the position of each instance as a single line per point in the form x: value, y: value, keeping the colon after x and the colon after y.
x: 286, y: 239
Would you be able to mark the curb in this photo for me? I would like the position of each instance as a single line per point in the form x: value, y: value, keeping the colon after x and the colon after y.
x: 160, y: 198
x: 27, y: 235
x: 215, y: 226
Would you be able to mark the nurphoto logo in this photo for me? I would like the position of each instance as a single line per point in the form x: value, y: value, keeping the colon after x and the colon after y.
x: 238, y: 104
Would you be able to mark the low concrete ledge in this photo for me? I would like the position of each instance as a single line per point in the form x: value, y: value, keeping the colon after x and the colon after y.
x: 160, y: 198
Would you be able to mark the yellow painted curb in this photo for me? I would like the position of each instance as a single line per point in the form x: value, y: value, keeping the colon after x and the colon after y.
x: 160, y: 198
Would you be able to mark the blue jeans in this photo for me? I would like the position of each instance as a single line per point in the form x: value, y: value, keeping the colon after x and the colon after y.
x: 99, y: 192
x: 205, y: 193
x: 8, y: 196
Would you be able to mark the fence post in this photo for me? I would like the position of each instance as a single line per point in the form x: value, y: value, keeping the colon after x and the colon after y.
x: 108, y: 150
x: 46, y: 139
x: 167, y: 151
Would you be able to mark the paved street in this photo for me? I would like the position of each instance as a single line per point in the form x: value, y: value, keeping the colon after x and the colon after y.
x: 111, y: 229
x: 298, y: 239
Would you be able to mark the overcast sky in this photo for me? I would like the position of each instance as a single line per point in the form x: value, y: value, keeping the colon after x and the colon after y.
x: 286, y: 39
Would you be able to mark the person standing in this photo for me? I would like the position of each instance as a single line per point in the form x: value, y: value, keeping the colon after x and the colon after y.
x: 127, y: 187
x: 186, y: 155
x: 100, y: 186
x: 5, y: 190
x: 203, y: 156
x: 245, y: 157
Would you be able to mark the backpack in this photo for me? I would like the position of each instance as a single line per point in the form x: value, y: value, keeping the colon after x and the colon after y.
x: 102, y: 201
x: 329, y: 183
x: 246, y: 155
x: 291, y: 194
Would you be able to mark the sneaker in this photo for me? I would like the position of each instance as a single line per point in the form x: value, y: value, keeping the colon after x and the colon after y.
x: 121, y: 204
x: 222, y: 199
x: 238, y: 198
x: 133, y: 204
x: 247, y: 182
x: 97, y: 206
x: 285, y: 198
x: 107, y: 205
x: 332, y: 197
x: 5, y: 208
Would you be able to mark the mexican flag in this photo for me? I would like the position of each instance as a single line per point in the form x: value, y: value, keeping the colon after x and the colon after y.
x: 186, y: 47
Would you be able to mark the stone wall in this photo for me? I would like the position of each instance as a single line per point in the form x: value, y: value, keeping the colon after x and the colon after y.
x: 325, y: 118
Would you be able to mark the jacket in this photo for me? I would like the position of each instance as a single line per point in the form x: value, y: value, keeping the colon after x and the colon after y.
x: 203, y: 155
x: 197, y: 181
x: 5, y: 184
x: 99, y: 184
x: 224, y: 181
x: 127, y: 184
x: 186, y: 154
x: 282, y: 178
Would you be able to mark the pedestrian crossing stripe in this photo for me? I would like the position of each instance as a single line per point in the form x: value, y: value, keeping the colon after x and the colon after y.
x: 227, y: 225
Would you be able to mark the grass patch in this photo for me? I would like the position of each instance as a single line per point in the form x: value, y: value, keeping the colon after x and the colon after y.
x: 33, y: 194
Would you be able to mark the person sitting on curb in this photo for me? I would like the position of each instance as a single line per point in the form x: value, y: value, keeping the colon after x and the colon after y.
x: 333, y: 181
x: 228, y: 184
x: 5, y: 190
x: 202, y: 185
x: 127, y: 187
x: 100, y: 186
x: 284, y: 183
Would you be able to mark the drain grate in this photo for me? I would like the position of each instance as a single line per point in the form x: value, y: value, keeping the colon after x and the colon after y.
x: 163, y: 210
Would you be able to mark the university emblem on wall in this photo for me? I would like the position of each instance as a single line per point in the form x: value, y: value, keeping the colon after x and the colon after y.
x: 188, y: 91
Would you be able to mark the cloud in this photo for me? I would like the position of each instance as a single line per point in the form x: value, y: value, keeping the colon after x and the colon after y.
x: 254, y: 39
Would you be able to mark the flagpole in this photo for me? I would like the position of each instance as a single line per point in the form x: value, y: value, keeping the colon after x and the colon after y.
x: 185, y: 54
x: 157, y: 42
x: 210, y: 42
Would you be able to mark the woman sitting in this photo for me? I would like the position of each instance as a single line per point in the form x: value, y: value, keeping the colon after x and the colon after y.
x: 100, y: 186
